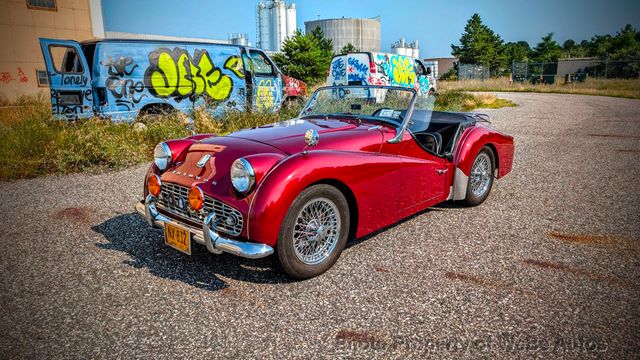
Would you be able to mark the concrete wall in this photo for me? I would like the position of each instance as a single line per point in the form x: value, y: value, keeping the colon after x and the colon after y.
x: 572, y: 66
x: 364, y: 34
x: 20, y: 28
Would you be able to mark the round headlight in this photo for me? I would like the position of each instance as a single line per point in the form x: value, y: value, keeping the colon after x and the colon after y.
x: 162, y: 156
x: 242, y: 175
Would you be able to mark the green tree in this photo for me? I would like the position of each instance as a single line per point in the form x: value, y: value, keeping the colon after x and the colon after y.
x: 517, y: 51
x: 626, y: 44
x: 547, y: 50
x: 348, y: 49
x: 479, y: 45
x: 571, y: 49
x: 325, y: 44
x: 305, y: 57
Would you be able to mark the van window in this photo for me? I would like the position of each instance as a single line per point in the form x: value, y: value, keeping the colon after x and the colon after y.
x: 420, y: 70
x: 261, y: 65
x: 65, y: 59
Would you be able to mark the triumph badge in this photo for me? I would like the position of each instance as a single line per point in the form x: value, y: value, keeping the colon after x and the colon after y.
x: 203, y: 161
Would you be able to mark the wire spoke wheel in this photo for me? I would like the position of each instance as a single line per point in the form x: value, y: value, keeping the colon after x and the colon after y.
x: 480, y: 178
x: 316, y: 231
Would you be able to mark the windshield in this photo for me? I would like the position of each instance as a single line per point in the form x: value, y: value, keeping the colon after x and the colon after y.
x: 385, y: 104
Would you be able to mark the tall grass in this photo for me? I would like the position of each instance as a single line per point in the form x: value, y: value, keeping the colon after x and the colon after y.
x: 626, y: 88
x: 33, y: 144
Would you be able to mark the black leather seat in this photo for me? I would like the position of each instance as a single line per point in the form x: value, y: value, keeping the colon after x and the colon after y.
x: 430, y: 141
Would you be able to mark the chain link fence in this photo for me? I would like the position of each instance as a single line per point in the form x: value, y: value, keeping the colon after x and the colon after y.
x: 567, y: 70
x: 574, y: 70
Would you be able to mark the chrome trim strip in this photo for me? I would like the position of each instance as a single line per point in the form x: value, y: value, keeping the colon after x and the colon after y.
x: 212, y: 240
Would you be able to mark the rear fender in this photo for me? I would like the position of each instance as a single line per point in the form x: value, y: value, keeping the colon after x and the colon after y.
x: 369, y: 176
x: 472, y: 141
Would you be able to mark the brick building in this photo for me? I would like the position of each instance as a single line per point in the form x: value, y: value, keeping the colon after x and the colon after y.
x: 22, y: 22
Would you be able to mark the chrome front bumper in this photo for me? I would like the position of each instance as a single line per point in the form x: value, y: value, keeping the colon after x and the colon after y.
x: 206, y: 236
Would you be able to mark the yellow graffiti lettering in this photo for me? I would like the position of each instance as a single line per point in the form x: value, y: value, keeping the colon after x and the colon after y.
x: 403, y: 71
x: 264, y: 96
x: 234, y: 64
x: 165, y: 80
x: 185, y: 85
x: 176, y: 74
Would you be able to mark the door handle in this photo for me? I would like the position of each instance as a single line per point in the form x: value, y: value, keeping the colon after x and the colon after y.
x: 442, y: 171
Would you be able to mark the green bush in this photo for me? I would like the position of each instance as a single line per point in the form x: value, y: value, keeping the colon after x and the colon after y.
x: 33, y: 144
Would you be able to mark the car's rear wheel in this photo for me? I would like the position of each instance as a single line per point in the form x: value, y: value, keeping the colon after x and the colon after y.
x: 314, y: 232
x: 480, y: 178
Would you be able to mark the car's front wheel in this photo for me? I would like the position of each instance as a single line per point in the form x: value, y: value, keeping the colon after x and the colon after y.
x: 314, y: 232
x: 480, y: 178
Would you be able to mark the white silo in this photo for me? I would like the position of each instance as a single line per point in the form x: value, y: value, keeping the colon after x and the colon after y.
x: 263, y: 19
x: 276, y: 20
x: 291, y: 20
x: 278, y: 23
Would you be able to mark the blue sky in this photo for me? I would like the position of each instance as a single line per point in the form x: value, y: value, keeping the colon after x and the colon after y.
x: 436, y: 24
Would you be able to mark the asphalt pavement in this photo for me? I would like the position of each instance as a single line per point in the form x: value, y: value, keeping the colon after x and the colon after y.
x: 548, y: 266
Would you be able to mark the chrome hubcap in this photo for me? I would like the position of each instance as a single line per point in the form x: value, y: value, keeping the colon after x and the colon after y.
x: 480, y: 175
x: 316, y: 231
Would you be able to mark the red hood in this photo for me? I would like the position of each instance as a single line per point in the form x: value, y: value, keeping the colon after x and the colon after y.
x: 265, y: 146
x: 335, y: 134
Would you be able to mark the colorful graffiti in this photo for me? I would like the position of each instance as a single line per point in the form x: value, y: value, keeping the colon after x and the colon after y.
x: 70, y: 104
x: 127, y: 92
x: 174, y: 73
x: 22, y: 76
x: 357, y: 71
x: 338, y: 69
x: 5, y: 77
x: 423, y: 85
x: 402, y: 72
x: 74, y: 79
x: 266, y: 95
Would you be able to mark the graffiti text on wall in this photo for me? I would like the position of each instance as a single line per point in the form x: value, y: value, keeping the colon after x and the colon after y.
x: 357, y: 70
x: 127, y: 92
x: 6, y: 77
x: 266, y: 95
x: 174, y: 73
x: 338, y: 69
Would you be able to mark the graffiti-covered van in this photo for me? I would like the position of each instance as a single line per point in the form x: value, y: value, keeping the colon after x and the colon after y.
x: 121, y: 79
x: 371, y: 68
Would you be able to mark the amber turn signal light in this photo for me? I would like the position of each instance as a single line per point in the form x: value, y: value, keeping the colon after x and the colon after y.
x: 154, y: 184
x: 196, y: 198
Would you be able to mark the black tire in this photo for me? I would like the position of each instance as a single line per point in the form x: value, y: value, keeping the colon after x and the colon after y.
x: 474, y: 198
x: 289, y: 258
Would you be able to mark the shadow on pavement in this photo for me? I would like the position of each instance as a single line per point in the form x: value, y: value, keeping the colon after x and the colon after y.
x: 130, y: 234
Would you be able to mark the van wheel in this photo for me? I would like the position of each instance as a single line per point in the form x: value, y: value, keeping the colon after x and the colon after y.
x: 156, y: 110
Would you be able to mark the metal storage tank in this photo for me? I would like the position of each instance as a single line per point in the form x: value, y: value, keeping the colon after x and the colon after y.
x: 364, y: 34
x: 275, y: 21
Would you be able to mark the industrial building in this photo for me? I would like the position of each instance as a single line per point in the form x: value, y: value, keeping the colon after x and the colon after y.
x: 364, y: 34
x: 275, y: 21
x: 22, y: 22
x: 401, y: 47
x: 441, y: 65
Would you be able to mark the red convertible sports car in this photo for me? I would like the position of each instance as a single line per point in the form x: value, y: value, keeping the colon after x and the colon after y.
x: 357, y: 159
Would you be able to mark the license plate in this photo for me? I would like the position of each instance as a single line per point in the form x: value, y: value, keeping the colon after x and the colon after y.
x: 178, y: 238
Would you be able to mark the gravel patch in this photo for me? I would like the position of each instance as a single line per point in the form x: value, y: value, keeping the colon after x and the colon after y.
x: 548, y: 266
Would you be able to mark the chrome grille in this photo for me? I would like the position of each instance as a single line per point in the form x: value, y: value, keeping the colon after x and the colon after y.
x: 174, y: 198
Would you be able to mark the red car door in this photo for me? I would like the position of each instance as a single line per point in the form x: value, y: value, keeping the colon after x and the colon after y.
x: 423, y: 176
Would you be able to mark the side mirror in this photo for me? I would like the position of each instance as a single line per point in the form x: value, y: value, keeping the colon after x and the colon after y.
x: 429, y: 71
